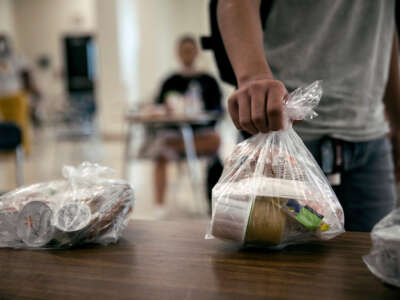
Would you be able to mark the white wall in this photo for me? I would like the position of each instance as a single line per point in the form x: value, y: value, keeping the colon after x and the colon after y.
x: 136, y: 42
x: 128, y: 42
x: 7, y: 17
x: 40, y: 26
x: 111, y: 94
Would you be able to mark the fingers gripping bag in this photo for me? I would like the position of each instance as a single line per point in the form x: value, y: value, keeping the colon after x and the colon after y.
x: 272, y: 192
x: 86, y: 207
x: 384, y: 259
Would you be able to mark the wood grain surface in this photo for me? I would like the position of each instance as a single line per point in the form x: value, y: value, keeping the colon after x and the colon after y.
x: 171, y: 119
x: 171, y: 260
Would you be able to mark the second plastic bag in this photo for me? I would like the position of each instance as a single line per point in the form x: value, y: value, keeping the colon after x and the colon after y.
x: 272, y: 192
x: 86, y: 207
x: 384, y: 259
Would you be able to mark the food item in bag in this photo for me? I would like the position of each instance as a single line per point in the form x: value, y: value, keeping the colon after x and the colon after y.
x: 8, y: 231
x: 88, y: 207
x: 384, y: 259
x: 281, y: 212
x: 266, y: 222
x: 71, y: 221
x: 276, y: 164
x: 34, y: 224
x: 272, y: 192
x: 73, y: 217
x: 230, y: 219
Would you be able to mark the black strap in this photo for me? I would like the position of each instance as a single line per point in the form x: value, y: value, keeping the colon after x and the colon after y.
x: 397, y: 16
x: 215, y: 43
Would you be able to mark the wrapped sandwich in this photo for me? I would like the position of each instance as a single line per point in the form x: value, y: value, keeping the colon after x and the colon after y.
x: 87, y: 207
x: 272, y: 192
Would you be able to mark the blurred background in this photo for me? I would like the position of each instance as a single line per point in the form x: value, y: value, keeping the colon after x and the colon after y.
x: 89, y: 63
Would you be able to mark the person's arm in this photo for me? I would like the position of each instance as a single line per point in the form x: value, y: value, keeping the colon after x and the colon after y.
x: 392, y: 102
x: 171, y: 84
x: 257, y: 105
x: 163, y: 92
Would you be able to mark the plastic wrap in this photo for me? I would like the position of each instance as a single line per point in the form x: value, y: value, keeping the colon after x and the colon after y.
x: 272, y: 192
x: 384, y: 259
x: 86, y: 207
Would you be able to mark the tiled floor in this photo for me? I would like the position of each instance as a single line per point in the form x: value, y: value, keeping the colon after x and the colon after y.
x: 49, y: 154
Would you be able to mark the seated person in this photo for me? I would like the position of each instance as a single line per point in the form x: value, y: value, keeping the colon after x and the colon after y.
x: 206, y: 139
x: 15, y: 83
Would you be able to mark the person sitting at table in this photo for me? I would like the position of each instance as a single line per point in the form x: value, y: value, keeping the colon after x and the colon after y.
x: 189, y: 83
x: 16, y: 84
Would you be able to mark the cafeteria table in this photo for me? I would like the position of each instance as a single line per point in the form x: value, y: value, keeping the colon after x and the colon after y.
x: 172, y: 260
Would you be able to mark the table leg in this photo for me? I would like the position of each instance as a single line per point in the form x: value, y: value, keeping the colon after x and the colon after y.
x: 127, y: 154
x: 191, y: 155
x: 19, y: 159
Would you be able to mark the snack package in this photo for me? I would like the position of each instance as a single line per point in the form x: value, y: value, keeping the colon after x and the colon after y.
x: 384, y: 259
x: 272, y: 192
x: 87, y: 207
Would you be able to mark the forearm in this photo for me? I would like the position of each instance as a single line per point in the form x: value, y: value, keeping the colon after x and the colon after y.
x: 257, y: 105
x: 241, y: 30
x: 392, y: 92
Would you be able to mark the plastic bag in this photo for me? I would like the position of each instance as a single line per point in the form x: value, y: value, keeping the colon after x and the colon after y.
x: 87, y: 207
x: 272, y: 192
x: 384, y: 259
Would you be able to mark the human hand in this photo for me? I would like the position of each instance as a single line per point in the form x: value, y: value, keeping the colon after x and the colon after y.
x: 257, y: 106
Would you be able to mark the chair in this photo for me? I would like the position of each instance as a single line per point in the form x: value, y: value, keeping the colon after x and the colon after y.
x: 11, y: 140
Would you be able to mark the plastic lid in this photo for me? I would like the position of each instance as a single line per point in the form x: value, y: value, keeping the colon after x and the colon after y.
x: 34, y: 224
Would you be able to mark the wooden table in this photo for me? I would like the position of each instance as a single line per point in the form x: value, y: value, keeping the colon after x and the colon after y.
x: 171, y: 260
x: 201, y: 118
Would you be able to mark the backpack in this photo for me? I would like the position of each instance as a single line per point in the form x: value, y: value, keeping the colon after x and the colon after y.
x: 215, y: 43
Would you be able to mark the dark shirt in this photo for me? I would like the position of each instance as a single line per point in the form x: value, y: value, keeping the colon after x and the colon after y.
x: 210, y: 91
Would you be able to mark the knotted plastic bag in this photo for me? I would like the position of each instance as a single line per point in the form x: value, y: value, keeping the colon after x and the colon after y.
x: 384, y: 259
x: 272, y: 192
x: 86, y: 207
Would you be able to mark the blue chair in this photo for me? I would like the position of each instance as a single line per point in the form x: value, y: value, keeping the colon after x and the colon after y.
x: 11, y: 140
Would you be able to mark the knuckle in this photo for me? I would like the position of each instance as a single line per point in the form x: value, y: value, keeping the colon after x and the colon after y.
x: 258, y: 119
x: 235, y: 94
x: 276, y: 84
x: 240, y: 91
x: 256, y: 87
x: 232, y: 100
x: 275, y: 111
x: 245, y: 123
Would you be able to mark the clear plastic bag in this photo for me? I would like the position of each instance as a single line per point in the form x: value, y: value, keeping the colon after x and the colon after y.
x: 384, y: 259
x: 87, y: 207
x: 272, y: 192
